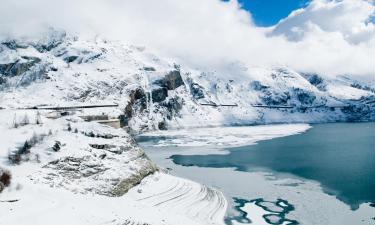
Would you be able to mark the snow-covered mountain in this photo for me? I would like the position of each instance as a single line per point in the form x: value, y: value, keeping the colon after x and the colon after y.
x: 156, y: 93
x: 97, y: 162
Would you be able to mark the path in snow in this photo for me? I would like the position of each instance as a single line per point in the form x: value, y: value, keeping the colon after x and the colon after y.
x: 179, y: 196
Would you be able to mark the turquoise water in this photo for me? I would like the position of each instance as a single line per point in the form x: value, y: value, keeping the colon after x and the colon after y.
x: 341, y: 156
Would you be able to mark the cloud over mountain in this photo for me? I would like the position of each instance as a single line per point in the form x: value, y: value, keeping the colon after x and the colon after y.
x: 330, y: 37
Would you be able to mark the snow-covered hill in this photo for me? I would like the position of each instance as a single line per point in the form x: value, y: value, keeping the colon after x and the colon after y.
x: 154, y: 93
x: 87, y: 160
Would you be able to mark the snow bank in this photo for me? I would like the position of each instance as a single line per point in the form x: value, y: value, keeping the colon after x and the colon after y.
x: 220, y: 137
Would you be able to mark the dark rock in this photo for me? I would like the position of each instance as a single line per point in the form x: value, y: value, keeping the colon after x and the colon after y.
x: 257, y: 86
x: 197, y: 91
x: 55, y: 38
x: 70, y: 59
x: 362, y: 87
x: 128, y: 112
x: 173, y: 106
x: 12, y: 44
x: 3, y: 80
x: 124, y: 119
x: 159, y: 94
x: 171, y: 81
x: 137, y: 103
x: 149, y: 68
x: 126, y: 184
x: 272, y: 98
x: 303, y: 96
x: 162, y: 125
x: 137, y: 94
x: 315, y: 80
x: 57, y: 146
x: 358, y: 112
x: 174, y: 80
x: 18, y: 67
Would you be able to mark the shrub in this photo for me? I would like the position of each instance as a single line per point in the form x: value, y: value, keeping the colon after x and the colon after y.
x: 57, y: 146
x: 25, y: 149
x: 25, y: 120
x: 14, y: 157
x: 69, y: 127
x: 38, y: 119
x: 5, y: 177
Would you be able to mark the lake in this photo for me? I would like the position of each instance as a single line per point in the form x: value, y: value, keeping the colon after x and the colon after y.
x: 340, y: 157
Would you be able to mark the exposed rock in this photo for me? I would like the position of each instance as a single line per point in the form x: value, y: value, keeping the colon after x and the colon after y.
x: 162, y: 125
x: 159, y: 94
x: 3, y: 80
x: 70, y: 59
x: 52, y: 39
x: 12, y: 44
x: 315, y: 80
x: 137, y: 103
x: 174, y: 80
x: 76, y: 168
x: 171, y: 81
x: 257, y: 86
x: 128, y: 112
x: 197, y: 91
x: 149, y: 68
x: 173, y: 105
x: 359, y: 112
x: 125, y: 185
x: 303, y: 96
x: 362, y: 87
x: 57, y: 146
x: 272, y: 98
x: 18, y: 67
x: 137, y: 94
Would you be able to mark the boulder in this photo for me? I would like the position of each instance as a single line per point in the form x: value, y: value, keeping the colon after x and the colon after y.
x: 159, y: 94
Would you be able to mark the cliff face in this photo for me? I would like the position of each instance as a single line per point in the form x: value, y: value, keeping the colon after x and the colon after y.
x: 154, y: 93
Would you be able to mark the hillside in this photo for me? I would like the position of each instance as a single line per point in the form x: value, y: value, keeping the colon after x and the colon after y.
x: 78, y: 167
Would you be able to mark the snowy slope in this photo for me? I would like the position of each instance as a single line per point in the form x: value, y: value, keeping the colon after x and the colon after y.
x: 83, y: 183
x: 156, y: 93
x: 98, y: 168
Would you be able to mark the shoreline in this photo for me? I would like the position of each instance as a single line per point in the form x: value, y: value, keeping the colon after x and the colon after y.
x: 255, y: 185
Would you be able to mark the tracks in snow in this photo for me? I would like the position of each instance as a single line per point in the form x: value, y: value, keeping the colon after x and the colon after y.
x: 179, y: 196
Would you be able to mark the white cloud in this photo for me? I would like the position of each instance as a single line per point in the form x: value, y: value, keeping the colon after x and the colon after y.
x: 329, y: 37
x: 350, y: 18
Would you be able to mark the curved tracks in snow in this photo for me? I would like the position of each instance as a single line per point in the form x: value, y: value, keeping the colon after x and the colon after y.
x: 179, y: 196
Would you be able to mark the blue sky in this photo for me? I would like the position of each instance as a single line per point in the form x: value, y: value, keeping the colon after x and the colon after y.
x: 269, y: 12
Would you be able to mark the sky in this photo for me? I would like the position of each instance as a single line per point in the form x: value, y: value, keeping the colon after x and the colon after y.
x: 270, y: 12
x: 328, y: 37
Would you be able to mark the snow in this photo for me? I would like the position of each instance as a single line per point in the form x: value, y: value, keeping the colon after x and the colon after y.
x: 223, y: 136
x: 72, y: 185
x: 44, y: 205
x: 75, y: 185
x: 107, y: 71
x: 255, y: 213
x: 312, y: 205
